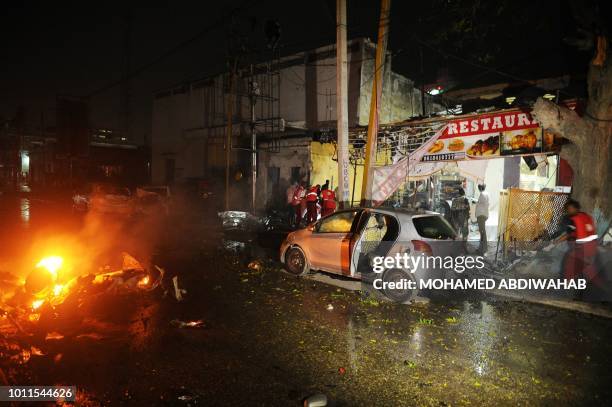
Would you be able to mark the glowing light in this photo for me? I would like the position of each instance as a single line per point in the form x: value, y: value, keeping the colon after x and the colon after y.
x: 435, y: 91
x: 57, y: 289
x: 51, y: 263
x: 144, y: 281
x: 37, y: 303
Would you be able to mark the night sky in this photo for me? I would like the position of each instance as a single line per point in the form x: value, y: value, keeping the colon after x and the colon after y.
x: 53, y: 48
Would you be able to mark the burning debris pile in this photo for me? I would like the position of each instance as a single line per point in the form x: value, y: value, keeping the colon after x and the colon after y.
x: 52, y: 302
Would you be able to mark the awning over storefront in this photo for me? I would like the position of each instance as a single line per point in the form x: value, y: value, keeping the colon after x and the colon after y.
x: 465, y: 141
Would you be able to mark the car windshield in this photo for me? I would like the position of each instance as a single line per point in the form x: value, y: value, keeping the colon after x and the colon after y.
x: 433, y: 227
x: 338, y: 223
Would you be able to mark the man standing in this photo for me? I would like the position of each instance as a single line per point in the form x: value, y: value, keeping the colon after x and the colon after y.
x: 296, y: 202
x: 460, y: 214
x: 482, y: 214
x: 328, y: 200
x: 311, y: 203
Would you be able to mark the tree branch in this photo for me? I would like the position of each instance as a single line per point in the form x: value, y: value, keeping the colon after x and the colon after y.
x: 560, y: 120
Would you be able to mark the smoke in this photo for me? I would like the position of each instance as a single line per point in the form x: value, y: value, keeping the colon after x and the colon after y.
x: 98, y: 243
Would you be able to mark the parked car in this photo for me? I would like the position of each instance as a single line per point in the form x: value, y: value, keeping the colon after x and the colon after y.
x: 111, y: 199
x: 153, y: 199
x: 344, y: 243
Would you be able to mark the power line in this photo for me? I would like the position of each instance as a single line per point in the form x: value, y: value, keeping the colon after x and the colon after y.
x: 243, y: 6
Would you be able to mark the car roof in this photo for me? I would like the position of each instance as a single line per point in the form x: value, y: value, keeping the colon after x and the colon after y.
x: 402, y: 212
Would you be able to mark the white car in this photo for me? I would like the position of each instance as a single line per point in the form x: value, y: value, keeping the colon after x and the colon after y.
x: 345, y: 242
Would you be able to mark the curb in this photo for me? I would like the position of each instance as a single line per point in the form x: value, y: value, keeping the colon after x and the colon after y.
x: 577, y: 306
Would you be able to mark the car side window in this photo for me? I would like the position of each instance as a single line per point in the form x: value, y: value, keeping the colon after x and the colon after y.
x: 338, y: 223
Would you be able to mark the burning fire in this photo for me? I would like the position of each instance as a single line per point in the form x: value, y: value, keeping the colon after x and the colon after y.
x: 144, y: 282
x: 51, y: 264
x: 37, y: 303
x: 57, y: 290
x: 48, y: 285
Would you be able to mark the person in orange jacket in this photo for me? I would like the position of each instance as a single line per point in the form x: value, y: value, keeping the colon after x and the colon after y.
x: 580, y: 261
x: 311, y: 203
x: 328, y: 200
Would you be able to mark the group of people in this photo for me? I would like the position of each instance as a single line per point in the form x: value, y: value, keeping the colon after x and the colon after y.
x: 310, y: 202
x: 581, y: 259
x: 460, y: 215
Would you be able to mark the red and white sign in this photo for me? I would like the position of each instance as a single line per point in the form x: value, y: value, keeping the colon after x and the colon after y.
x: 489, y: 123
x: 490, y: 135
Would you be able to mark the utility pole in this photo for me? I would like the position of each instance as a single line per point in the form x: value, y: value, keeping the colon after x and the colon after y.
x: 370, y: 153
x: 229, y: 130
x: 252, y: 100
x: 342, y: 104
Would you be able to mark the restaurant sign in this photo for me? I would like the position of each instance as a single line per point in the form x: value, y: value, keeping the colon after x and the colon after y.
x: 489, y: 136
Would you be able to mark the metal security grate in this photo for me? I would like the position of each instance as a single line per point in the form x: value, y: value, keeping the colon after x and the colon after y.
x: 528, y: 219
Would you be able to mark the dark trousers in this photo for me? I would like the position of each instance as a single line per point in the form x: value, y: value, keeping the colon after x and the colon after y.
x: 297, y: 209
x: 482, y: 220
x: 311, y: 211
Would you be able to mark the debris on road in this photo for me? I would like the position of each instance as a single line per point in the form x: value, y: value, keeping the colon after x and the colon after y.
x: 239, y: 220
x: 330, y: 307
x: 55, y: 302
x: 316, y: 400
x: 188, y: 324
x: 178, y: 292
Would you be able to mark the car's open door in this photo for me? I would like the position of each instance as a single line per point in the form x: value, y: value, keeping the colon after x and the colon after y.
x: 331, y: 239
x: 354, y: 245
x: 374, y: 235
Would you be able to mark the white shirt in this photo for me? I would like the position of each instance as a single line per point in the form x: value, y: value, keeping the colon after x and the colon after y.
x: 482, y: 206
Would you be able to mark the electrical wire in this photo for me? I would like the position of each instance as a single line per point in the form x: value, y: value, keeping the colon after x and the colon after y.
x: 243, y: 6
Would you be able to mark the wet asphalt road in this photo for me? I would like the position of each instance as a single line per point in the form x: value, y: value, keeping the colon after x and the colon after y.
x: 271, y: 340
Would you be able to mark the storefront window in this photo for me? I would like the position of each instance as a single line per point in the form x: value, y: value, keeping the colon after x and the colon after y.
x: 544, y: 176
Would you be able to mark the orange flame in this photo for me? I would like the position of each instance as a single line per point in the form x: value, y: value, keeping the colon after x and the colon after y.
x: 57, y: 289
x: 144, y: 282
x: 51, y: 264
x: 37, y: 303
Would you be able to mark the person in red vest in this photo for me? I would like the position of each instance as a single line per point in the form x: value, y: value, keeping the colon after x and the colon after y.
x: 311, y: 203
x: 328, y: 200
x: 296, y: 202
x: 580, y: 260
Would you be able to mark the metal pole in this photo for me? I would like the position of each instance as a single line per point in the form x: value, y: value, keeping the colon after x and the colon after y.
x: 342, y: 104
x: 370, y: 153
x: 354, y: 180
x: 253, y: 142
x: 228, y: 140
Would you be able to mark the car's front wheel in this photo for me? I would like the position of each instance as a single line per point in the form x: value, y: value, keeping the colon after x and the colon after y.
x: 400, y: 291
x: 295, y: 261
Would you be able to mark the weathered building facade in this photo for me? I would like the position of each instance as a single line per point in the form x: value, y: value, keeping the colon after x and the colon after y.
x: 295, y: 103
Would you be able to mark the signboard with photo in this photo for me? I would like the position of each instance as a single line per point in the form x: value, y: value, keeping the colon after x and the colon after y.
x: 487, y: 136
x: 517, y: 142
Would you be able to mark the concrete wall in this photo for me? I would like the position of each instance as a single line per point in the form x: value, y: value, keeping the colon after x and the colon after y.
x: 294, y: 152
x: 400, y: 99
x: 188, y: 124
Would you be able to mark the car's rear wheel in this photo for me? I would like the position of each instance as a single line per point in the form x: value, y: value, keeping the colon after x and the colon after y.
x: 401, y: 295
x: 295, y: 261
